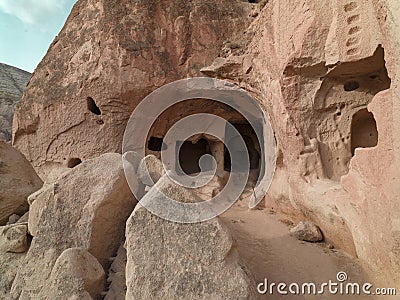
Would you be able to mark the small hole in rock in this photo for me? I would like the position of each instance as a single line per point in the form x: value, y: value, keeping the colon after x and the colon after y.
x: 351, y: 86
x: 350, y: 6
x: 156, y: 144
x: 73, y: 162
x: 92, y: 107
x: 253, y: 1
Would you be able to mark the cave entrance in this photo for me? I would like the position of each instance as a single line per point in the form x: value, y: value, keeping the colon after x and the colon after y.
x: 364, y: 133
x: 253, y: 150
x: 190, y: 153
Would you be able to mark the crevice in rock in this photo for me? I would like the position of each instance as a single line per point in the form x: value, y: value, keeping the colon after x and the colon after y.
x: 351, y: 86
x: 116, y: 282
x: 92, y: 106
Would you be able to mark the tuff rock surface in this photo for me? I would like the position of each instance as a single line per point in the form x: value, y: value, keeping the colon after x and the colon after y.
x: 107, y: 58
x: 13, y: 238
x: 76, y: 275
x: 17, y: 181
x: 326, y: 73
x: 86, y: 208
x: 307, y: 231
x: 12, y: 85
x: 182, y: 261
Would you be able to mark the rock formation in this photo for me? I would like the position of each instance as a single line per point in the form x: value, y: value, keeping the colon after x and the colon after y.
x: 107, y: 58
x: 307, y: 231
x: 86, y: 208
x: 326, y: 73
x: 182, y: 261
x: 76, y: 275
x: 13, y: 238
x: 17, y: 181
x: 12, y: 85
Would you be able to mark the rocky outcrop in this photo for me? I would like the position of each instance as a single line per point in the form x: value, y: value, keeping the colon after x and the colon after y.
x: 182, y: 261
x: 326, y: 72
x: 17, y: 181
x: 87, y: 208
x: 12, y: 85
x: 76, y: 275
x: 107, y: 58
x: 321, y: 68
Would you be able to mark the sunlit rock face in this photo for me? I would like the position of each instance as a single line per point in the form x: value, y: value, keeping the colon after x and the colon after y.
x: 326, y: 73
x: 106, y: 59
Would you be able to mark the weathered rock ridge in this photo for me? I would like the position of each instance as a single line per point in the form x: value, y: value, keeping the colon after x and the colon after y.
x: 12, y: 85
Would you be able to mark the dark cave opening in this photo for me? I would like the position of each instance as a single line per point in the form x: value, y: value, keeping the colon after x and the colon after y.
x: 190, y: 154
x: 92, y: 107
x: 364, y: 132
x: 73, y: 162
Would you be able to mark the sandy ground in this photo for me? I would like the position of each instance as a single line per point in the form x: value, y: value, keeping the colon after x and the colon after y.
x: 264, y: 243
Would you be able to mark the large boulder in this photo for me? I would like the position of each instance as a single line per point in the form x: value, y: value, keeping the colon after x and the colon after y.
x: 10, y: 263
x: 167, y: 260
x: 106, y: 59
x: 86, y: 208
x: 76, y: 275
x: 17, y: 181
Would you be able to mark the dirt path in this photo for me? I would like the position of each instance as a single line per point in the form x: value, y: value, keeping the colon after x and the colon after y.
x: 263, y: 241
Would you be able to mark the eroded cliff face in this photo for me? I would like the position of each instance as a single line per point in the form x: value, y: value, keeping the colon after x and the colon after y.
x: 326, y: 73
x: 12, y: 84
x: 107, y: 58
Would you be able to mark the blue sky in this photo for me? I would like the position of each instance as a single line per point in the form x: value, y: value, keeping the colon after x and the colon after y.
x: 27, y: 28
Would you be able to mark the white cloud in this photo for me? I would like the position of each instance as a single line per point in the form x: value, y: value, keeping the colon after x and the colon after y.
x: 34, y: 12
